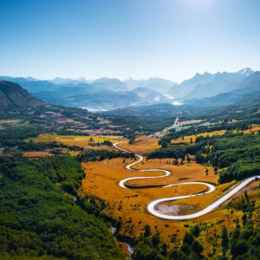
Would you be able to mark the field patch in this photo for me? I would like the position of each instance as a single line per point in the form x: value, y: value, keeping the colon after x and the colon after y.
x: 91, y: 142
x: 192, y: 138
x: 142, y: 144
x: 253, y: 129
x: 36, y: 154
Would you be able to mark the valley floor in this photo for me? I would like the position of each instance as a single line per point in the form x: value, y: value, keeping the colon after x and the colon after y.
x: 128, y: 206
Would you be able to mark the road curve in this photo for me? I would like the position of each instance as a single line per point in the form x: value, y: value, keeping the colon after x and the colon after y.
x: 152, y: 207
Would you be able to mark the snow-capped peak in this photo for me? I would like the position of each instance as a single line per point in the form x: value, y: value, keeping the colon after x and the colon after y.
x: 246, y: 71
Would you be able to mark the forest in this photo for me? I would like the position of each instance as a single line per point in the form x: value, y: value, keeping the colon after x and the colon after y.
x: 41, y: 213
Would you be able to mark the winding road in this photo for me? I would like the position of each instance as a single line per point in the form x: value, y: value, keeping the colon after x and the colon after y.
x: 152, y: 207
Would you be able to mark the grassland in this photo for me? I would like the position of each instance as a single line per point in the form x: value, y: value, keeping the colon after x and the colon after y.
x: 252, y: 129
x: 36, y: 154
x: 129, y: 206
x: 142, y: 144
x: 93, y: 142
x: 192, y: 138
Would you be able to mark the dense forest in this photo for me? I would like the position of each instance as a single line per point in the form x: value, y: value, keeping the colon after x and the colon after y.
x: 41, y: 214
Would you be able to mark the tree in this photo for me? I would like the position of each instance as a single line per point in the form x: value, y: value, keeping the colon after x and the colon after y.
x: 225, y: 240
x: 131, y: 139
x: 147, y: 231
x: 164, y: 249
x: 197, y: 248
x: 143, y: 251
x: 156, y: 239
x: 163, y: 143
x: 91, y: 141
x: 188, y: 239
x: 195, y: 230
x: 238, y: 248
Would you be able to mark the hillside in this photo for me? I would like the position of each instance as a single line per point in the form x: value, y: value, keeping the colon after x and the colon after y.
x: 13, y: 96
x: 42, y: 215
x: 21, y: 113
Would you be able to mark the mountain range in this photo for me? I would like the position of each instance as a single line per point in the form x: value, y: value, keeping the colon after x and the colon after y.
x: 101, y: 94
x: 208, y: 89
x: 241, y: 97
x: 209, y: 85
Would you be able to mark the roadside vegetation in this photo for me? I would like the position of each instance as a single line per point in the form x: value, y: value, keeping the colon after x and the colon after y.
x: 242, y: 242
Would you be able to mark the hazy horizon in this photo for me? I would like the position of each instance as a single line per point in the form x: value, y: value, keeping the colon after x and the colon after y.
x: 128, y: 39
x: 121, y: 79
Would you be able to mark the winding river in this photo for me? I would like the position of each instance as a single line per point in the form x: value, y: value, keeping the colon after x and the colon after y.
x: 152, y: 207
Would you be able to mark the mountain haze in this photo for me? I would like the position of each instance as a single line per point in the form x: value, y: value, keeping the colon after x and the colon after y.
x: 209, y: 85
x: 109, y: 93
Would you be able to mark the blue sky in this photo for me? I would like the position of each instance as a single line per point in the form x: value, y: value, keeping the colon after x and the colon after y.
x: 172, y: 39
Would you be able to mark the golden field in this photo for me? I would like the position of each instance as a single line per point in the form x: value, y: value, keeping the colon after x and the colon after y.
x: 36, y: 154
x: 192, y: 138
x: 129, y: 206
x: 252, y: 129
x: 77, y: 140
x: 142, y: 144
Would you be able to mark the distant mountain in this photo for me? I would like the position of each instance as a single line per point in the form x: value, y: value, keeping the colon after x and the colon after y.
x: 209, y: 85
x: 164, y: 110
x: 246, y: 97
x: 13, y: 96
x: 109, y: 94
x: 109, y: 100
x: 248, y: 92
x: 160, y: 85
x: 150, y: 95
x: 103, y: 100
x: 108, y: 84
x: 101, y: 94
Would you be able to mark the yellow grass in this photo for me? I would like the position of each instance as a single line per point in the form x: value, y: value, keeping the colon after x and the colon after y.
x: 36, y: 154
x: 129, y: 206
x: 193, y: 138
x: 142, y: 144
x: 252, y: 129
x: 74, y: 140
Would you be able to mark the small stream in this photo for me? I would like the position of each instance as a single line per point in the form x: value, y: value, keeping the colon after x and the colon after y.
x: 130, y: 249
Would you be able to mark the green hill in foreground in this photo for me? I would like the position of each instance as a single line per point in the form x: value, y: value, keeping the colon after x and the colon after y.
x: 39, y: 216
